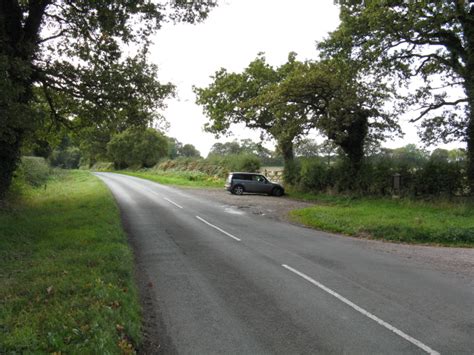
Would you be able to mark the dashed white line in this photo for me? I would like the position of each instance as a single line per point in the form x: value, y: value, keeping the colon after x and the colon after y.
x: 219, y: 229
x: 364, y: 312
x: 173, y: 203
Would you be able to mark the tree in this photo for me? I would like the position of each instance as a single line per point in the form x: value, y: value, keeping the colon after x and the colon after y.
x: 66, y: 155
x: 137, y: 147
x: 343, y: 105
x: 174, y: 146
x: 189, y: 151
x: 226, y: 148
x: 307, y: 148
x: 249, y: 98
x: 72, y: 52
x: 432, y: 40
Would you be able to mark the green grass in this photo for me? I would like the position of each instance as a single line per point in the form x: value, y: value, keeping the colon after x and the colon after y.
x: 66, y: 271
x: 436, y: 222
x: 178, y: 178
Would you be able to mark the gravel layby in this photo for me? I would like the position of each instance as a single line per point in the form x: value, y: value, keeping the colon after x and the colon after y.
x: 457, y: 260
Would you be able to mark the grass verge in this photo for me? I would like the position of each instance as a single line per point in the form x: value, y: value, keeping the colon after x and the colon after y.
x: 177, y: 178
x: 439, y: 223
x: 66, y: 271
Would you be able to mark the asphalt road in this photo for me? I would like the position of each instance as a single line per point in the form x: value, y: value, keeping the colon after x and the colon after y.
x: 229, y: 282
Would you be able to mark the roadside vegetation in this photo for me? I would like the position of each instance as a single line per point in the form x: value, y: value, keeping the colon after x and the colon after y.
x: 436, y: 222
x: 178, y: 178
x: 66, y: 271
x: 429, y: 205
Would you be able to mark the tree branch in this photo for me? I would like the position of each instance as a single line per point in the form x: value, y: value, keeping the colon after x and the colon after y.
x: 432, y: 107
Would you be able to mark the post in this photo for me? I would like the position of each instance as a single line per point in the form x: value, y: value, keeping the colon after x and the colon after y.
x: 396, y: 184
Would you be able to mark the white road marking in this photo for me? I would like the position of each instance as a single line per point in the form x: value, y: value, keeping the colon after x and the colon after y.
x: 174, y: 203
x: 364, y: 312
x: 219, y: 229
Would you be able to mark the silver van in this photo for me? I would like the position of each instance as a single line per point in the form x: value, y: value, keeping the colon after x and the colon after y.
x: 238, y: 183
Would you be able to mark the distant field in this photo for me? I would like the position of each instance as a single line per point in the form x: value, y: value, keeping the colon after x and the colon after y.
x: 440, y: 223
x: 66, y: 272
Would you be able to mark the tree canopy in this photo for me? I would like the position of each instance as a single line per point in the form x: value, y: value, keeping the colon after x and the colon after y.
x: 86, y: 60
x: 432, y: 40
x: 288, y: 101
x: 249, y: 98
x: 136, y: 147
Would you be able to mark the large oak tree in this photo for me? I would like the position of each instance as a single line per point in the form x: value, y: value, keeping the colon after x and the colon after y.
x: 252, y: 98
x: 87, y: 60
x: 429, y: 39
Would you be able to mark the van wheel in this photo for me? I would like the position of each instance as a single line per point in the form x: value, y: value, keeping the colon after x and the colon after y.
x: 277, y: 191
x: 238, y: 190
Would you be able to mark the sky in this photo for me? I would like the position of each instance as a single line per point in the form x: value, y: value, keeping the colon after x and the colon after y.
x: 231, y: 37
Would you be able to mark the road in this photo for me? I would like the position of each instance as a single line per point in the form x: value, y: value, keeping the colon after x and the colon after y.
x: 224, y: 281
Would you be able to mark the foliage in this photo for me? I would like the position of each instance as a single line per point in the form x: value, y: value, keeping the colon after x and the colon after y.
x: 178, y: 178
x: 66, y: 155
x: 34, y: 171
x: 432, y: 40
x: 66, y: 280
x: 68, y: 158
x: 205, y: 166
x: 347, y: 107
x: 137, y: 147
x: 214, y: 165
x: 237, y: 162
x: 248, y: 98
x: 440, y: 223
x: 189, y: 151
x: 421, y: 174
x: 227, y: 148
x: 64, y: 62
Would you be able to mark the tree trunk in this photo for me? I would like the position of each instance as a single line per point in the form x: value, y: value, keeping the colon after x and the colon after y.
x: 290, y: 171
x: 353, y: 140
x: 18, y: 44
x: 9, y: 159
x: 469, y: 88
x: 470, y: 135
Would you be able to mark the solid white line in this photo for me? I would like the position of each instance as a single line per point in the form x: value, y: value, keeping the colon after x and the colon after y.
x: 219, y: 229
x: 174, y: 203
x: 364, y: 312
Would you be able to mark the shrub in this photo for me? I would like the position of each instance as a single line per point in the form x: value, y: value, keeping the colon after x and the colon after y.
x: 34, y: 171
x: 103, y: 166
x: 313, y: 175
x: 431, y: 177
x: 68, y: 158
x: 236, y: 162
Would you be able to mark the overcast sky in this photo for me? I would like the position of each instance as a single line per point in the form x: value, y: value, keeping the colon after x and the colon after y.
x: 231, y: 37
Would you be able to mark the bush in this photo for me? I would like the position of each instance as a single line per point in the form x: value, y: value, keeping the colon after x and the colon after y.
x: 236, y: 162
x: 34, y: 171
x: 103, y: 166
x: 431, y: 177
x: 314, y: 175
x: 68, y: 158
x: 137, y: 148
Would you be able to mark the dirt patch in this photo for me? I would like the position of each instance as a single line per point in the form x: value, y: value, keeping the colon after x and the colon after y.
x: 457, y: 260
x: 276, y: 208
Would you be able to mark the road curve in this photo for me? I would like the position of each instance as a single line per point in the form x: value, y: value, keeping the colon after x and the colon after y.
x: 229, y: 282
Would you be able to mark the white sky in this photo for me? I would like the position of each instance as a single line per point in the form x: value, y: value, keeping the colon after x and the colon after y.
x: 231, y: 37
